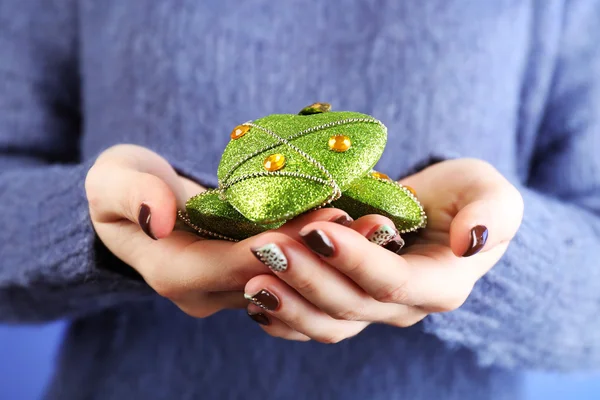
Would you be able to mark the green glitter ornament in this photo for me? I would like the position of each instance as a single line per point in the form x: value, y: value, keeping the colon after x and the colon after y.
x: 282, y: 165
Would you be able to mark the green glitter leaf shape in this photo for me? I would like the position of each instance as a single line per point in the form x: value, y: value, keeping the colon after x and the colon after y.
x: 213, y: 217
x: 371, y: 195
x: 313, y: 174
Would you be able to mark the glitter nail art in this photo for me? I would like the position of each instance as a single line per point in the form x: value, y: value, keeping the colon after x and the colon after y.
x: 382, y: 235
x: 272, y: 256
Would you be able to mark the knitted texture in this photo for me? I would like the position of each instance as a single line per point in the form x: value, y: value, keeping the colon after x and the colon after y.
x: 513, y: 83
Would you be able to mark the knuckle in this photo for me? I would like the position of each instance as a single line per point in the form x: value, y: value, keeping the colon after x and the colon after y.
x: 293, y: 320
x: 405, y: 322
x: 451, y: 303
x: 200, y: 312
x: 305, y: 286
x: 455, y: 302
x: 117, y: 151
x: 235, y: 280
x: 275, y: 332
x: 482, y: 166
x: 402, y: 323
x: 330, y: 338
x: 356, y: 267
x: 164, y: 288
x: 349, y: 314
x: 392, y: 294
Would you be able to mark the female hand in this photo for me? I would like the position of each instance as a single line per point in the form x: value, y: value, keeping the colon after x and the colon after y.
x: 347, y: 282
x: 133, y: 196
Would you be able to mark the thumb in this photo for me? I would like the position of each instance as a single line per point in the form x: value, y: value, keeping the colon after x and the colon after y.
x: 485, y: 222
x: 133, y: 183
x: 472, y: 201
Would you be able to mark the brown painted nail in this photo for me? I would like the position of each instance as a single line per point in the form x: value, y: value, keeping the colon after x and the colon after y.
x: 317, y: 241
x: 395, y: 245
x: 345, y: 220
x: 261, y: 318
x: 479, y: 236
x: 144, y: 220
x: 264, y: 299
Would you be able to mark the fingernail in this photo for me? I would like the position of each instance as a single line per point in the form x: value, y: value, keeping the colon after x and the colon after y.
x: 382, y: 235
x: 264, y: 299
x: 479, y: 236
x: 345, y: 220
x: 144, y: 220
x: 272, y: 256
x: 395, y: 245
x: 261, y: 318
x: 319, y: 242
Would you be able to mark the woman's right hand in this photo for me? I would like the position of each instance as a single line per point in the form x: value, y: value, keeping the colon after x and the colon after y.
x: 133, y: 195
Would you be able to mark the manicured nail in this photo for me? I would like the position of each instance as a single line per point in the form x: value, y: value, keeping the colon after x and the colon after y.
x: 144, y: 220
x: 479, y: 236
x: 272, y: 256
x: 383, y: 235
x: 395, y: 245
x: 261, y: 318
x: 319, y: 242
x: 264, y: 299
x: 345, y: 220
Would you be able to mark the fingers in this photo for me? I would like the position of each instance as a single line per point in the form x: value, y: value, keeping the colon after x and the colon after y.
x: 414, y: 281
x: 282, y: 312
x: 282, y: 303
x: 325, y: 287
x: 180, y: 263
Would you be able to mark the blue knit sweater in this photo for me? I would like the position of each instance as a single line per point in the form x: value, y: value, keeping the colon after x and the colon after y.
x: 516, y: 83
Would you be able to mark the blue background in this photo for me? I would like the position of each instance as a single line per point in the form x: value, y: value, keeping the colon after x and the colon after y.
x: 27, y: 355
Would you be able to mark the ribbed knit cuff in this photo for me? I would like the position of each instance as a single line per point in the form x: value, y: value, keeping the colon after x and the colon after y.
x: 53, y: 265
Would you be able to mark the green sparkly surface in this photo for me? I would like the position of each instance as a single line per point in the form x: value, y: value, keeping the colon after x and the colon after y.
x: 287, y: 125
x: 209, y: 212
x: 369, y: 195
x: 254, y: 200
x: 277, y: 197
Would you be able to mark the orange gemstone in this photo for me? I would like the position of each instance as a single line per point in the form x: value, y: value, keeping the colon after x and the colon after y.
x: 380, y: 175
x: 339, y: 143
x: 239, y: 131
x: 274, y: 162
x: 410, y: 190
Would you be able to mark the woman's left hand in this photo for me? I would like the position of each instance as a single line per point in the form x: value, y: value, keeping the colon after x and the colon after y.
x: 338, y: 282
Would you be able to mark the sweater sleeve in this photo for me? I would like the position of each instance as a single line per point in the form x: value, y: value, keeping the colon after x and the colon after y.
x: 51, y: 264
x: 539, y: 307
